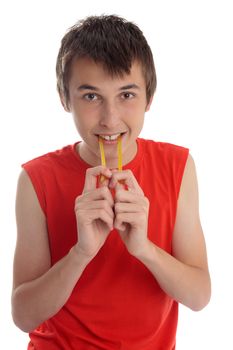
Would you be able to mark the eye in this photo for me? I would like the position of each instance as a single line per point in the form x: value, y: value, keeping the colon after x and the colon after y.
x: 90, y: 97
x: 127, y: 95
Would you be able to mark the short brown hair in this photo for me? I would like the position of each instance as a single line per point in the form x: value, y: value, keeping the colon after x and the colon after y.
x: 110, y: 40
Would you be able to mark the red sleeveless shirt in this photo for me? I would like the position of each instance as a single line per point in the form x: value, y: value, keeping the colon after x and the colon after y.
x: 117, y: 303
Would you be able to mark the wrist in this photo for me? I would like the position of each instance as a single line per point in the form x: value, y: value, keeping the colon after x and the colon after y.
x: 79, y: 256
x: 146, y: 253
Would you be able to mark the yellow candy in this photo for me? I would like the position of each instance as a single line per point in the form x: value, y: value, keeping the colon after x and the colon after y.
x: 103, y: 160
x: 119, y: 154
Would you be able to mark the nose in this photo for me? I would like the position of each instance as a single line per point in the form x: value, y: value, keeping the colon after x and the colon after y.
x: 109, y: 115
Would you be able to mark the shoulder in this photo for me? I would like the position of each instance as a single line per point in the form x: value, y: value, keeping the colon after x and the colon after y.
x: 52, y: 163
x: 164, y: 151
x: 47, y: 159
x: 166, y: 161
x: 41, y: 174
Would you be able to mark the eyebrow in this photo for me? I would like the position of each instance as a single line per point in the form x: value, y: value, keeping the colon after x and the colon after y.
x: 130, y: 86
x: 94, y: 88
x: 87, y: 87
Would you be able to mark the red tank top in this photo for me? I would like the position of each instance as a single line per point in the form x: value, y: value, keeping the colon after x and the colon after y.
x: 117, y: 303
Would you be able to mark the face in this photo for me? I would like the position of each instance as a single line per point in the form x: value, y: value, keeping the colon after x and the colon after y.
x: 106, y: 106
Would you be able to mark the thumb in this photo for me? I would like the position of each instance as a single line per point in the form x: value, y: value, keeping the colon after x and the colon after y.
x: 91, y: 177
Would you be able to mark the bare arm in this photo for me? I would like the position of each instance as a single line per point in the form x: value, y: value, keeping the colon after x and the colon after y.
x: 35, y: 295
x: 184, y: 276
x: 39, y: 290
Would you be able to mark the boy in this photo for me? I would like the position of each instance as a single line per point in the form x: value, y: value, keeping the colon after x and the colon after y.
x: 104, y: 254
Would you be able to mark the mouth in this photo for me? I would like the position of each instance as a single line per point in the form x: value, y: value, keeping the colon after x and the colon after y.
x: 110, y: 138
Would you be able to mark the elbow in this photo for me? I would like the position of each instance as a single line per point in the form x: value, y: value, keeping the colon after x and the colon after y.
x: 20, y: 323
x: 199, y: 304
x: 202, y: 299
x: 21, y: 319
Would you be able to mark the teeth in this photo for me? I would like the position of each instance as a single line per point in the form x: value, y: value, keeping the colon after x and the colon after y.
x: 110, y: 138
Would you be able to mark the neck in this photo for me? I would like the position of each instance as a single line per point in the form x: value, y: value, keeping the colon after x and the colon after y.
x: 94, y: 159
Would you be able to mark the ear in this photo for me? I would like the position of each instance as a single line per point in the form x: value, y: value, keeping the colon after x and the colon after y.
x: 64, y: 104
x: 149, y: 104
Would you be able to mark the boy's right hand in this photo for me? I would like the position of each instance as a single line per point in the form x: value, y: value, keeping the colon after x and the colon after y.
x: 94, y: 212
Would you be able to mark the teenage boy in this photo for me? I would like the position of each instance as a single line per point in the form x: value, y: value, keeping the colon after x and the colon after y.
x: 104, y: 255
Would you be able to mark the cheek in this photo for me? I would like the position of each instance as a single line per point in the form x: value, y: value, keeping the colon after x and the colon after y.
x: 85, y: 122
x: 82, y: 124
x: 134, y: 117
x: 86, y: 112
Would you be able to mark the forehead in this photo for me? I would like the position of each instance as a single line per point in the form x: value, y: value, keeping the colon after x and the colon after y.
x: 87, y: 71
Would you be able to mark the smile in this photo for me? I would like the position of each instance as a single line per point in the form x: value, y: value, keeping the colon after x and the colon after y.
x: 110, y: 137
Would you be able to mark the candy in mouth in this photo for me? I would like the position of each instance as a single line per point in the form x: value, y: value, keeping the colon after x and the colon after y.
x: 109, y: 137
x: 101, y: 145
x: 119, y: 153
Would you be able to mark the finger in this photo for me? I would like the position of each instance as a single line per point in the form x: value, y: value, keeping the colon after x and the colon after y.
x: 130, y: 197
x: 91, y: 177
x: 133, y: 220
x: 120, y: 182
x: 119, y: 223
x: 119, y: 186
x: 96, y: 214
x: 127, y: 208
x: 95, y: 195
x: 102, y: 181
x: 128, y: 178
x: 101, y: 214
x: 101, y: 204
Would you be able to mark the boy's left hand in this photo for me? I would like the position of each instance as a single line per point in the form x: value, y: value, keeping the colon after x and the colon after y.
x: 131, y: 211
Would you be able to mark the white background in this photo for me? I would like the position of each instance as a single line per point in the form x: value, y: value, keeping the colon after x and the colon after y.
x: 193, y: 50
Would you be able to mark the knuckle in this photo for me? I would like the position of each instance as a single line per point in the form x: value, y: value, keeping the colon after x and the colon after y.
x: 117, y: 195
x: 141, y: 216
x: 129, y: 172
x: 77, y: 199
x: 104, y: 190
x: 80, y: 216
x: 105, y: 204
x: 77, y: 202
x: 119, y: 216
x: 117, y: 207
x: 102, y: 212
x: 89, y: 171
x: 147, y: 202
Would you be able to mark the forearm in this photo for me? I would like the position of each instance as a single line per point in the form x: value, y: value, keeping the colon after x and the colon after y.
x: 36, y: 301
x: 186, y: 284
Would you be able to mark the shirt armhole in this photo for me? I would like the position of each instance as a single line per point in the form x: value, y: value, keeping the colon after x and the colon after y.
x: 37, y: 183
x: 180, y: 170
